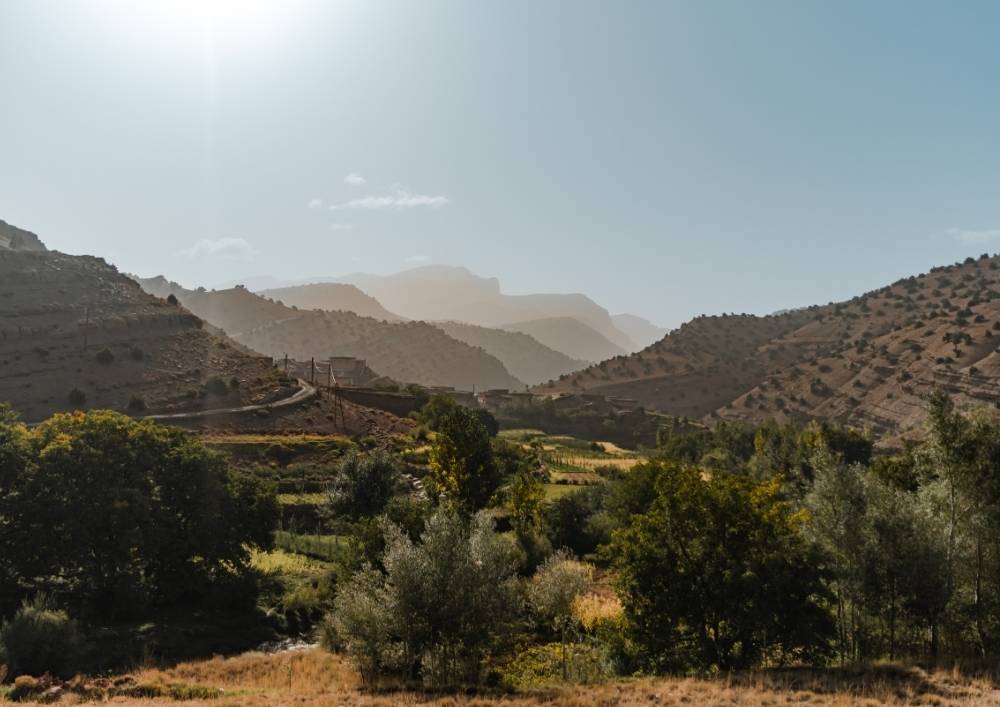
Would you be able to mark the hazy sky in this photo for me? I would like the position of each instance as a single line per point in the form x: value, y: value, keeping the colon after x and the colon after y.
x: 666, y: 158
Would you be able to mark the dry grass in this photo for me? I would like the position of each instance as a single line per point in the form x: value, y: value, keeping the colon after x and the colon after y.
x: 597, y: 462
x: 312, y: 678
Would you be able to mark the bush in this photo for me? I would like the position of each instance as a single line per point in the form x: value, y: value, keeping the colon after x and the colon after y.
x: 77, y: 397
x: 216, y: 386
x: 363, y: 484
x: 136, y: 404
x: 137, y: 354
x: 40, y: 639
x: 105, y: 357
x: 442, y: 608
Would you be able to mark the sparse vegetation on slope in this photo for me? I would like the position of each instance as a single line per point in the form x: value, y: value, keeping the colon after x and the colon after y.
x: 867, y: 361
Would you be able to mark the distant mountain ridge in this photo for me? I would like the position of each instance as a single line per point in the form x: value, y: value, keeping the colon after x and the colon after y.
x: 569, y: 336
x: 332, y: 297
x: 524, y: 356
x: 409, y: 352
x: 447, y: 293
x: 641, y: 332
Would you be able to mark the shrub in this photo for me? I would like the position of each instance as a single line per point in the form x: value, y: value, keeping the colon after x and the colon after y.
x: 137, y: 404
x: 77, y: 397
x: 442, y: 607
x: 105, y: 357
x: 216, y: 386
x: 136, y: 353
x: 40, y: 639
x: 363, y: 484
x: 172, y: 299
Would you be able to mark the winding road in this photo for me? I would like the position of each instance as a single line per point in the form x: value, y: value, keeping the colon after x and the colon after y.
x: 305, y: 392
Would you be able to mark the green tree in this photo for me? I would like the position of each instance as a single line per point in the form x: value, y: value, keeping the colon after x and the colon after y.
x: 716, y: 575
x: 113, y: 515
x: 555, y: 586
x: 363, y: 484
x: 463, y: 469
x: 440, y: 608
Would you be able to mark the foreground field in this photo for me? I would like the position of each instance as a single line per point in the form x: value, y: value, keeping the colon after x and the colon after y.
x: 313, y: 677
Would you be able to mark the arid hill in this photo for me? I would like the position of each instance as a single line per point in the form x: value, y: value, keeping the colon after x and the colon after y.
x: 523, y: 355
x: 76, y: 333
x: 14, y: 238
x: 569, y: 336
x: 332, y: 297
x: 411, y: 352
x: 444, y: 293
x: 870, y: 361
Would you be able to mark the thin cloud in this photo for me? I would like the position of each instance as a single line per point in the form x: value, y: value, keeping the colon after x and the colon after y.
x: 222, y: 248
x: 316, y: 203
x: 400, y: 199
x: 355, y: 179
x: 341, y: 226
x: 963, y: 235
x: 417, y: 259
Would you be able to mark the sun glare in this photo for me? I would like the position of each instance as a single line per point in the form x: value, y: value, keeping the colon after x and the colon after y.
x: 223, y: 22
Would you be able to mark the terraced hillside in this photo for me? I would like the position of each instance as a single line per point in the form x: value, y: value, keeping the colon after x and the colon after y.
x: 76, y: 333
x: 411, y: 352
x: 869, y: 361
x: 523, y: 355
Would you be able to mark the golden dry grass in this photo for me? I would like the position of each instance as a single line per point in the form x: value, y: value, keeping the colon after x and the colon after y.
x: 312, y: 678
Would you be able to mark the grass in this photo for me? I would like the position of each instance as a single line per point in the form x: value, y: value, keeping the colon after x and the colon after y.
x: 554, y: 491
x: 287, y: 564
x: 321, y: 547
x: 311, y: 678
x: 299, y: 499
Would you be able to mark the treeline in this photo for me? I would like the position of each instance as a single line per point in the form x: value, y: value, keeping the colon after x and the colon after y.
x: 735, y: 547
x: 105, y: 519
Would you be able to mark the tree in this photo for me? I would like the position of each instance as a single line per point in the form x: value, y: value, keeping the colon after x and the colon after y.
x: 113, y: 515
x: 363, y: 484
x: 438, y: 611
x: 525, y: 501
x: 716, y: 575
x: 555, y: 586
x: 463, y: 469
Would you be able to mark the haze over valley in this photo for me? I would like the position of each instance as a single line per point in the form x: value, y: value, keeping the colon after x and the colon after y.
x: 499, y: 353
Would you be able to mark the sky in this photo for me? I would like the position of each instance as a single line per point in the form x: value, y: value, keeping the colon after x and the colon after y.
x: 666, y: 158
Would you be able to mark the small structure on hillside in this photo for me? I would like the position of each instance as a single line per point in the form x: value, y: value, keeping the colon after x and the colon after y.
x: 348, y: 370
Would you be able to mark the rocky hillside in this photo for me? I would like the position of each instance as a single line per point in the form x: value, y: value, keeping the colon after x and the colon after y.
x: 411, y: 352
x: 14, y: 238
x: 570, y: 337
x: 76, y: 333
x: 524, y: 356
x: 869, y: 361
